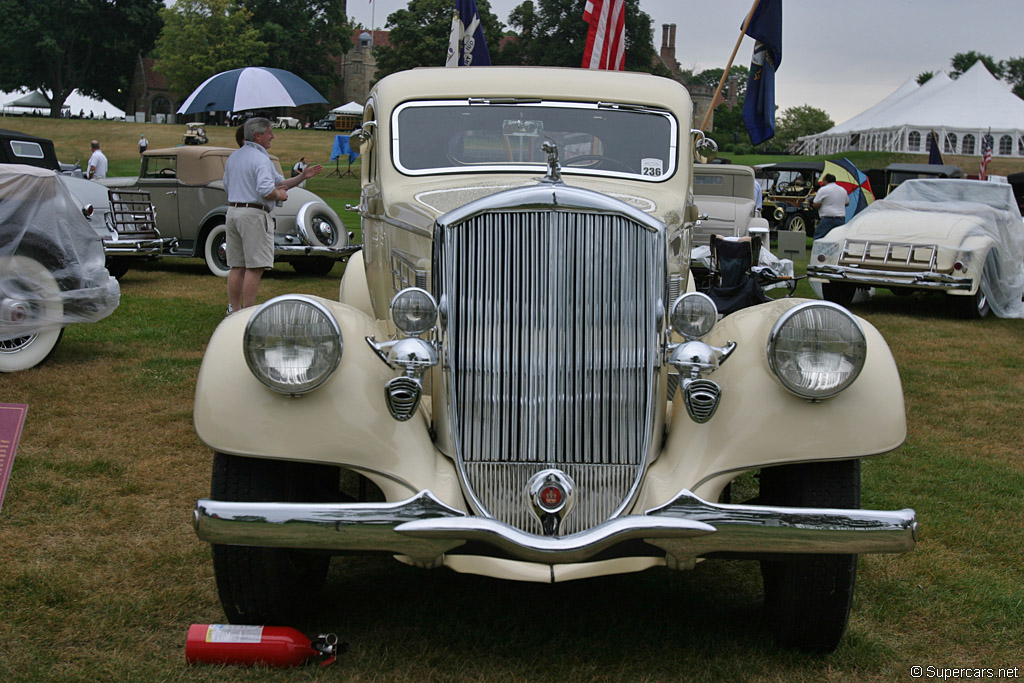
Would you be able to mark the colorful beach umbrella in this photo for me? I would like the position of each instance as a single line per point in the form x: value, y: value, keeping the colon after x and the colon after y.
x: 253, y: 87
x: 854, y: 182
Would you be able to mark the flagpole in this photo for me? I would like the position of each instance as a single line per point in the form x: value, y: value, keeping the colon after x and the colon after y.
x: 725, y: 74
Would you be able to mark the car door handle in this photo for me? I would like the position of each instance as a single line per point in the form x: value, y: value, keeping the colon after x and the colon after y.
x: 172, y: 192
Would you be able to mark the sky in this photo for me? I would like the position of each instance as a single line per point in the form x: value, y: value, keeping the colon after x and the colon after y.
x: 842, y: 57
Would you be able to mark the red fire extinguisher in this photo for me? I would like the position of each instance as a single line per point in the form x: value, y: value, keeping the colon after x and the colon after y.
x: 278, y: 646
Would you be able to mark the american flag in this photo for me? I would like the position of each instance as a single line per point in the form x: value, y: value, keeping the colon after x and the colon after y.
x: 986, y: 155
x: 606, y: 37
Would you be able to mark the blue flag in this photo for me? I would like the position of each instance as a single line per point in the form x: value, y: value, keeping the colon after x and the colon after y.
x: 467, y: 30
x: 759, y: 105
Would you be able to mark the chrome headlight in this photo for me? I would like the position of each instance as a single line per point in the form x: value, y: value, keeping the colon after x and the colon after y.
x: 816, y: 349
x: 413, y: 310
x: 292, y: 344
x: 693, y: 315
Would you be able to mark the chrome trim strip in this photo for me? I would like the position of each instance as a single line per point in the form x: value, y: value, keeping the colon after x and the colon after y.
x: 688, y: 527
x: 923, y: 280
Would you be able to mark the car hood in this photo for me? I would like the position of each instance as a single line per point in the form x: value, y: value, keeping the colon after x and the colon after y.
x: 932, y: 227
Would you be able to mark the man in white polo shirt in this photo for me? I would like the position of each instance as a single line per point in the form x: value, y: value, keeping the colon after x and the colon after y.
x: 97, y: 162
x: 831, y: 201
x: 254, y: 187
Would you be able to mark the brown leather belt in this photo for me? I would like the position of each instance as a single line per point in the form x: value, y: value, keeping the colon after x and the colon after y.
x: 248, y: 205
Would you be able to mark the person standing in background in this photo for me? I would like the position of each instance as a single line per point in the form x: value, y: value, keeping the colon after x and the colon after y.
x: 97, y: 162
x: 831, y: 202
x: 143, y: 143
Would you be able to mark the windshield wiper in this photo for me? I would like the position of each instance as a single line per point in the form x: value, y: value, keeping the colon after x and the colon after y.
x: 504, y: 100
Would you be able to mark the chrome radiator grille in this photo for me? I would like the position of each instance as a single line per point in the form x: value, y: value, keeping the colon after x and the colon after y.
x: 551, y: 349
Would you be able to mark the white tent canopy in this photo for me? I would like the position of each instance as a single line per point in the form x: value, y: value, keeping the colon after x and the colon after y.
x: 76, y: 103
x: 960, y: 112
x: 350, y: 108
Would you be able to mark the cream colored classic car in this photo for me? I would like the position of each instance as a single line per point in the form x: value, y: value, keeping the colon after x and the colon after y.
x: 962, y: 238
x: 520, y: 371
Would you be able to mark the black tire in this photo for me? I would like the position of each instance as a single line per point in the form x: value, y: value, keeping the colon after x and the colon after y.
x: 807, y: 598
x: 268, y: 585
x: 838, y: 293
x: 796, y: 222
x: 313, y: 265
x: 117, y: 267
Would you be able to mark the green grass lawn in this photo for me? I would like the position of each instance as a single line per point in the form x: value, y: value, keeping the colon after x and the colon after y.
x: 101, y: 573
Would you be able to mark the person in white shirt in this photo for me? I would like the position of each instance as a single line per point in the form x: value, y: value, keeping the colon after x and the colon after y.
x: 831, y: 201
x: 143, y: 143
x: 254, y: 187
x: 97, y: 162
x: 298, y: 168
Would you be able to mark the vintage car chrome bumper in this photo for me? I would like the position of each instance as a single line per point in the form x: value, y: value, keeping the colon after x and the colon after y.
x: 423, y: 529
x: 309, y: 250
x: 139, y: 247
x: 921, y: 279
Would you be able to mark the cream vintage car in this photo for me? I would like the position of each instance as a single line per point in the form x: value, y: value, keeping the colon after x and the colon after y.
x: 518, y: 368
x: 962, y: 238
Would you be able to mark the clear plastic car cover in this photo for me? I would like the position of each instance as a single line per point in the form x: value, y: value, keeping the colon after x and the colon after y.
x: 51, y: 260
x: 994, y: 206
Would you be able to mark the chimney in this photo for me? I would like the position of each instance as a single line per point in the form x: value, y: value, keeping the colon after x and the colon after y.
x: 668, y: 47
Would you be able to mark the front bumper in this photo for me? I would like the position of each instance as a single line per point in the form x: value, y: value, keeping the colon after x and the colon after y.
x: 424, y: 529
x: 292, y: 250
x: 147, y: 247
x: 920, y: 279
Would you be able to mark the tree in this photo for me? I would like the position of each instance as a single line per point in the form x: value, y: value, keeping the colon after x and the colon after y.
x: 798, y: 121
x: 299, y: 33
x: 419, y: 35
x: 204, y: 37
x: 962, y: 61
x: 57, y: 46
x: 1014, y: 75
x: 554, y: 34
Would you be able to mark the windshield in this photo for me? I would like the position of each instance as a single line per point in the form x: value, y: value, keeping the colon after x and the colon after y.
x: 477, y: 136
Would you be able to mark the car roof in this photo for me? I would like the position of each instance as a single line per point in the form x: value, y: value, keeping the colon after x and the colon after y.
x: 7, y: 156
x: 793, y: 166
x: 204, y: 163
x: 929, y: 169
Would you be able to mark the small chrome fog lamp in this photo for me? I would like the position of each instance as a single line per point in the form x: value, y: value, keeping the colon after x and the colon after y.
x: 816, y: 350
x: 693, y: 315
x: 292, y: 344
x: 413, y: 311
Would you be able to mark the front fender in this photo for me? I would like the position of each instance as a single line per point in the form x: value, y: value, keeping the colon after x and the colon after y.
x: 344, y: 422
x: 759, y: 423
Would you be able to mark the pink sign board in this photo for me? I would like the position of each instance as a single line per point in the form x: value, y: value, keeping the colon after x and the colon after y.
x: 12, y: 418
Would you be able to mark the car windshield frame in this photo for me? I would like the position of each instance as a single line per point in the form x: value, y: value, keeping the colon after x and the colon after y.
x: 521, y: 135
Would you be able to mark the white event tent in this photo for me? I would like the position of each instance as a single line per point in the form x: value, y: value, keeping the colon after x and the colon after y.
x: 350, y: 108
x: 960, y: 112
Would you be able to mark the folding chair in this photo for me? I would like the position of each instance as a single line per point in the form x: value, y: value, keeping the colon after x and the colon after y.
x: 733, y: 285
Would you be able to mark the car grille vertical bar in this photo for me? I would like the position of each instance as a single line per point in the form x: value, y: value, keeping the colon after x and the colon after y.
x: 551, y: 351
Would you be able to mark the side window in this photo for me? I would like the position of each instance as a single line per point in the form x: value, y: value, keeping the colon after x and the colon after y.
x: 27, y: 150
x: 160, y: 167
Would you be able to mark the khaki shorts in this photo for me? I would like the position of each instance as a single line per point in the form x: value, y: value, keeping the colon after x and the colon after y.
x: 249, y: 239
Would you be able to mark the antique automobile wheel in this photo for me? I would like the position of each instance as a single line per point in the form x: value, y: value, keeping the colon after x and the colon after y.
x: 838, y: 293
x: 807, y: 598
x: 313, y: 265
x: 796, y: 223
x: 214, y: 251
x: 320, y: 226
x: 28, y: 290
x: 976, y: 306
x: 268, y: 585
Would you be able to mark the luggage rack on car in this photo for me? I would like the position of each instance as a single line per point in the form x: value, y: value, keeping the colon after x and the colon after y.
x: 893, y: 254
x: 132, y: 213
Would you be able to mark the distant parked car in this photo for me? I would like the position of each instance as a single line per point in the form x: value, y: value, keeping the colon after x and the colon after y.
x: 51, y: 266
x: 286, y: 122
x: 885, y: 180
x: 788, y: 194
x: 187, y: 188
x: 962, y: 238
x: 126, y: 240
x: 724, y: 194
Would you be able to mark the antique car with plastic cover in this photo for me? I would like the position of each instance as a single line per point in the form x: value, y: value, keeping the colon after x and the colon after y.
x: 961, y: 238
x: 519, y: 381
x: 51, y: 266
x: 186, y: 185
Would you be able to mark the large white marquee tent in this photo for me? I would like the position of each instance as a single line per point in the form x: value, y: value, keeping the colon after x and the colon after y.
x: 960, y: 112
